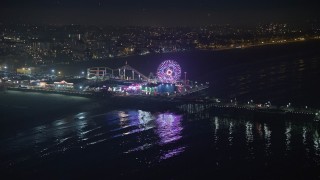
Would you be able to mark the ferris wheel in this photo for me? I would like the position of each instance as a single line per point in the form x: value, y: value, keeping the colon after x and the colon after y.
x: 169, y: 71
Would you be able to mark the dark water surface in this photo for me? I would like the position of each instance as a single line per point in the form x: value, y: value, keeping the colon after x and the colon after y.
x: 136, y: 142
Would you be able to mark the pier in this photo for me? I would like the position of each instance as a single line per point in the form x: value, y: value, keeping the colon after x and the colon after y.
x: 192, y: 105
x: 251, y: 110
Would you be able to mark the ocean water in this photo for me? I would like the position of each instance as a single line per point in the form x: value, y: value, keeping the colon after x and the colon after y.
x: 138, y: 142
x: 133, y: 143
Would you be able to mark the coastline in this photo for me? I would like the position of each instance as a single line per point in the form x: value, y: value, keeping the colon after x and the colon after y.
x: 122, y: 59
x: 261, y: 45
x: 218, y: 49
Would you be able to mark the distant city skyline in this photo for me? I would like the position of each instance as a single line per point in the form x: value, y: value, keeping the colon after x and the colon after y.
x: 159, y: 13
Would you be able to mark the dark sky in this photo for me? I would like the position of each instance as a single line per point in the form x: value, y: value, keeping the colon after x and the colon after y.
x: 164, y: 12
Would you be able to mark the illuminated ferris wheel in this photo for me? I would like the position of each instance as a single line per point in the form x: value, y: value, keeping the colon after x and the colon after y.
x: 169, y: 71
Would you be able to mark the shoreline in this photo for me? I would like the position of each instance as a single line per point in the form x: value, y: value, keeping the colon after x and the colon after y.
x: 260, y: 45
x: 121, y: 58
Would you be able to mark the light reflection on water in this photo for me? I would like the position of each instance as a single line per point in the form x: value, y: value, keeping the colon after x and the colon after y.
x: 230, y: 133
x: 288, y: 136
x: 267, y: 137
x: 249, y: 135
x: 216, y: 128
x: 316, y: 142
x: 249, y: 139
x: 157, y: 137
x: 169, y: 128
x: 304, y: 135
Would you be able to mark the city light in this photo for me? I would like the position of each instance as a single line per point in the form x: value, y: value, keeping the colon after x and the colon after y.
x: 72, y: 106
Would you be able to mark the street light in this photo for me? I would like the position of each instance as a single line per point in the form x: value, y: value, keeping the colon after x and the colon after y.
x: 52, y: 70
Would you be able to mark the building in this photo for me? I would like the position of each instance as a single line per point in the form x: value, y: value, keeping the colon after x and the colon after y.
x: 99, y: 73
x: 28, y: 70
x: 24, y: 70
x: 63, y: 85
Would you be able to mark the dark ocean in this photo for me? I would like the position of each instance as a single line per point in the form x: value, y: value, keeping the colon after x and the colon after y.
x: 88, y: 140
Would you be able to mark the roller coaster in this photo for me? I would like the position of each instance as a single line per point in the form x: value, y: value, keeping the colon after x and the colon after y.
x: 121, y: 73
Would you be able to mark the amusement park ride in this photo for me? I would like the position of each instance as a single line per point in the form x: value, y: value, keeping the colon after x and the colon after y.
x: 169, y: 71
x: 168, y: 75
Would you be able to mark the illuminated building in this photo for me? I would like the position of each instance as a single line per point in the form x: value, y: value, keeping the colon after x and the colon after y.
x: 25, y: 70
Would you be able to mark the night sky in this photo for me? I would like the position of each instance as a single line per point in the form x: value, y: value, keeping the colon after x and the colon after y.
x: 165, y: 12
